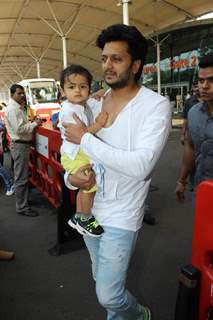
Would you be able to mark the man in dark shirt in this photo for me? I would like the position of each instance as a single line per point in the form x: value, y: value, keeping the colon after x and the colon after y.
x: 198, y: 145
x: 194, y: 99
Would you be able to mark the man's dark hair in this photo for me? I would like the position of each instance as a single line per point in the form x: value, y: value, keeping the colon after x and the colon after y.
x: 14, y: 87
x: 75, y: 69
x: 206, y: 61
x: 137, y: 44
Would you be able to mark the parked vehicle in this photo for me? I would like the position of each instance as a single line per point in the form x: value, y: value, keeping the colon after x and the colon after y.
x: 41, y: 95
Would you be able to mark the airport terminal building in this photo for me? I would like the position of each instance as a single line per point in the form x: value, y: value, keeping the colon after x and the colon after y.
x: 180, y: 50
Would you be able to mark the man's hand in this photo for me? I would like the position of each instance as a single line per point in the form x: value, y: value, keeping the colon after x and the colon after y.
x: 38, y: 121
x: 84, y: 178
x: 74, y: 132
x: 179, y: 191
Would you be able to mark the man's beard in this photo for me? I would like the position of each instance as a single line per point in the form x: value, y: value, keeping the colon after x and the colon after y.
x: 122, y: 82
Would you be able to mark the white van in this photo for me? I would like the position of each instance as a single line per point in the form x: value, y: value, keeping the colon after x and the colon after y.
x: 41, y: 94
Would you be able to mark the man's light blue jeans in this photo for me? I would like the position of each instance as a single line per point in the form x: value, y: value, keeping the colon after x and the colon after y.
x: 6, y: 177
x: 110, y: 255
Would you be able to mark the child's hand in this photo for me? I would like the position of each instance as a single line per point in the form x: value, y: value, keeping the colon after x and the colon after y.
x: 38, y: 121
x: 98, y: 95
x: 102, y: 118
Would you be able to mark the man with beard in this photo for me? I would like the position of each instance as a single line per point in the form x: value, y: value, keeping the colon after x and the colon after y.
x: 194, y: 99
x: 20, y: 132
x: 198, y: 146
x: 128, y: 147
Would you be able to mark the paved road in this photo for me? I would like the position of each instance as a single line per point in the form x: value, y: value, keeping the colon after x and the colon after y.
x: 37, y: 286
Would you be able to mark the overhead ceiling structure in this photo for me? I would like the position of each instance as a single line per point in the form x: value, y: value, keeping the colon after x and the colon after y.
x: 33, y: 32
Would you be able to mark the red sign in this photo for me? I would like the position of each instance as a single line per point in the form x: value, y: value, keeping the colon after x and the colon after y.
x: 174, y: 64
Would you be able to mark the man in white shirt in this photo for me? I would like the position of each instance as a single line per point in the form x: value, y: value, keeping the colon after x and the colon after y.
x: 128, y: 147
x: 20, y: 131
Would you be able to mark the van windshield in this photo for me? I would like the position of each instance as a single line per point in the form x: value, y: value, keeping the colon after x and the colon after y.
x: 43, y: 92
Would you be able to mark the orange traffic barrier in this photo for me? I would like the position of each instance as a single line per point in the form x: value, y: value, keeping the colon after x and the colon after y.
x: 46, y: 174
x: 202, y: 249
x: 44, y: 166
x: 46, y: 113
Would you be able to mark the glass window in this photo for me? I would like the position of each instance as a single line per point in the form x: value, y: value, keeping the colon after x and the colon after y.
x: 43, y: 92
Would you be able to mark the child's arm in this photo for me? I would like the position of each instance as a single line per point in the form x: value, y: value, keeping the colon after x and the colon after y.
x: 100, y: 122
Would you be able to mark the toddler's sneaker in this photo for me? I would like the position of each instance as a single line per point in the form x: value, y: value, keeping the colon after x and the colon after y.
x: 10, y: 191
x: 86, y: 225
x: 89, y: 226
x: 73, y: 221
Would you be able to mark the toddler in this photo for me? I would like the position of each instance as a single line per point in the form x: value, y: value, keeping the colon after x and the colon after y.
x: 75, y: 82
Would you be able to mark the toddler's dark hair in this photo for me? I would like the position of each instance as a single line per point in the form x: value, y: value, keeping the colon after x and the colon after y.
x: 75, y: 69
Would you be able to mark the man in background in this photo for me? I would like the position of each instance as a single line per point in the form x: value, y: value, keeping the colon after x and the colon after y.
x: 190, y: 102
x: 198, y: 144
x: 20, y: 131
x: 194, y: 99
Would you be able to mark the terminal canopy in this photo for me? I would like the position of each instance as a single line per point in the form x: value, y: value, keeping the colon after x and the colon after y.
x: 33, y: 32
